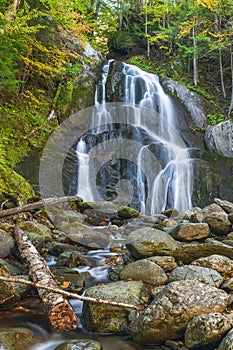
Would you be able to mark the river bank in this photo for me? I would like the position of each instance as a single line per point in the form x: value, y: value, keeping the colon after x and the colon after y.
x: 178, y: 267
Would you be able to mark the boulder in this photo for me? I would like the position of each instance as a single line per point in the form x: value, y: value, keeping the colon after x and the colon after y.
x: 103, y: 318
x: 167, y: 263
x: 6, y: 244
x: 218, y: 223
x: 80, y: 344
x: 145, y: 242
x: 146, y: 271
x: 200, y: 215
x: 86, y: 236
x: 192, y: 272
x: 230, y: 217
x: 167, y: 317
x: 206, y: 329
x: 36, y: 227
x: 220, y: 263
x: 225, y: 205
x: 9, y: 295
x: 18, y: 337
x: 190, y: 231
x: 127, y: 212
x: 190, y: 252
x: 226, y: 343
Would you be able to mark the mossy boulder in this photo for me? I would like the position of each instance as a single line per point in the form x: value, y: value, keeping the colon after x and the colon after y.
x: 103, y: 318
x: 20, y: 338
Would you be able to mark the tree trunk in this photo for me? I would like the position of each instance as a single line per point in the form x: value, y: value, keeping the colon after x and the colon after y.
x: 195, y: 59
x: 59, y: 310
x: 231, y: 103
x: 38, y: 205
x: 221, y: 73
x: 12, y: 9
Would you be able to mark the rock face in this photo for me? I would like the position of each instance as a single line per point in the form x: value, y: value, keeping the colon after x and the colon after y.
x: 108, y: 319
x: 206, y: 329
x: 173, y: 308
x: 219, y: 138
x: 146, y: 242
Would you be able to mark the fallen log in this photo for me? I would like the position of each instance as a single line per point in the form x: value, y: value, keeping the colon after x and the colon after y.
x: 71, y: 295
x: 38, y: 205
x: 59, y: 310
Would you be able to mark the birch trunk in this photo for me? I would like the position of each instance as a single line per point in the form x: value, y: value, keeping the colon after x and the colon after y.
x: 231, y: 103
x: 59, y: 310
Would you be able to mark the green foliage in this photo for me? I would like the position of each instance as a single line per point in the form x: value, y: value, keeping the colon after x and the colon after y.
x: 215, y: 118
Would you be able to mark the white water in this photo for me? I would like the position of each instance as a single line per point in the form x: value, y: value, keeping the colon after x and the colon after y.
x: 172, y: 181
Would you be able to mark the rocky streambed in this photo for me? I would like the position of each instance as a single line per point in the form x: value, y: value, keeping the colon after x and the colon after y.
x: 178, y: 268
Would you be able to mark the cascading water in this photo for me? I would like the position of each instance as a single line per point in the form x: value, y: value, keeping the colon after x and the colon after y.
x: 169, y: 182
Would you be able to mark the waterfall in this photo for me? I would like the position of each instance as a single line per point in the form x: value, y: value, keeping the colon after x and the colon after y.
x: 159, y: 184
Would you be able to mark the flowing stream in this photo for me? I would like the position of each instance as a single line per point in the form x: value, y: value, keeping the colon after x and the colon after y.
x: 153, y: 121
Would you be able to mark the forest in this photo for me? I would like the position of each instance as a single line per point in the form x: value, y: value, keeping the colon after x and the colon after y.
x: 189, y: 41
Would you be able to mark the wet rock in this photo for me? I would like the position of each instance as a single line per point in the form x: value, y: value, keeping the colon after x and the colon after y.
x: 9, y: 295
x: 127, y: 212
x: 190, y: 252
x: 220, y: 263
x: 200, y: 215
x: 171, y: 212
x: 192, y: 272
x: 173, y: 308
x: 146, y: 242
x: 190, y: 212
x: 106, y: 318
x: 146, y: 271
x: 6, y: 244
x: 190, y: 231
x: 225, y: 205
x: 226, y: 343
x: 230, y: 217
x: 71, y: 259
x: 20, y: 338
x: 165, y: 225
x: 36, y: 227
x: 80, y: 344
x: 86, y: 236
x: 73, y: 280
x: 218, y: 223
x: 206, y: 329
x: 167, y: 263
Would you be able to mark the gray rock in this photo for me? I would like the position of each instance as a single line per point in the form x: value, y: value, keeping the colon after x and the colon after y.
x: 75, y: 281
x: 146, y: 271
x: 227, y: 342
x: 86, y: 236
x: 36, y: 227
x: 6, y: 244
x: 192, y: 272
x: 219, y: 138
x: 200, y: 215
x: 167, y: 317
x: 188, y: 213
x: 206, y: 329
x: 230, y: 217
x: 218, y: 223
x: 105, y: 318
x: 225, y: 205
x: 190, y: 231
x: 220, y: 263
x: 80, y: 344
x: 167, y: 263
x: 146, y: 242
x: 228, y: 284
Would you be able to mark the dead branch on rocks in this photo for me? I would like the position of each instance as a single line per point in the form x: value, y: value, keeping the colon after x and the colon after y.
x: 69, y: 294
x: 38, y: 205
